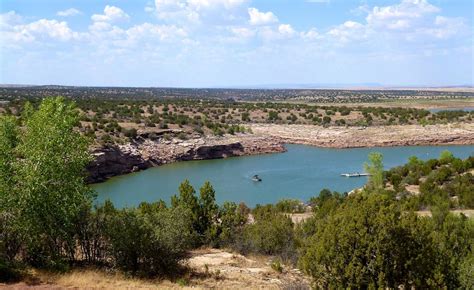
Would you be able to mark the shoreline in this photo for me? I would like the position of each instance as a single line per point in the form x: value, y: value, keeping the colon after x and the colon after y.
x: 267, y: 138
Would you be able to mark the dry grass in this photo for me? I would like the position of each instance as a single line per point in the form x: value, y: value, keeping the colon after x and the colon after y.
x: 208, y: 269
x: 86, y: 279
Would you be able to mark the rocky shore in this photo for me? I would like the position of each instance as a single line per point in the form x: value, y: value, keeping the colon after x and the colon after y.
x: 267, y: 138
x: 145, y: 153
x: 376, y: 136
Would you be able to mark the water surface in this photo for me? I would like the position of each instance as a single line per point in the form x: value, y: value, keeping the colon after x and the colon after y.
x: 299, y: 173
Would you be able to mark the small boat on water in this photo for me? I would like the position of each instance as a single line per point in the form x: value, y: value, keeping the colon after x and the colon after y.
x: 356, y: 174
x: 256, y: 178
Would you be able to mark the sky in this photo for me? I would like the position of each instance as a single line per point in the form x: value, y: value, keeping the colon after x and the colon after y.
x: 236, y: 43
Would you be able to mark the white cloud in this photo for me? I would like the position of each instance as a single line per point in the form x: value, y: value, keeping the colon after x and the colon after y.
x: 10, y: 18
x: 347, y: 31
x: 445, y: 27
x: 243, y: 32
x: 207, y: 4
x: 111, y: 14
x: 68, y: 12
x: 195, y: 10
x: 41, y: 29
x: 155, y: 32
x: 261, y: 18
x: 400, y: 16
x: 311, y: 34
x: 286, y: 29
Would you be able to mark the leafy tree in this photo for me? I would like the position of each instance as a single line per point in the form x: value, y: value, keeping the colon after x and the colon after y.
x: 8, y: 143
x: 51, y: 178
x: 187, y: 199
x: 445, y: 157
x: 375, y: 169
x: 232, y: 218
x: 208, y: 213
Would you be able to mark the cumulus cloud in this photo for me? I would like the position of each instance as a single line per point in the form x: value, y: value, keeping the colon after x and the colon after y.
x: 349, y: 30
x: 243, y: 32
x: 68, y: 12
x: 153, y: 31
x: 400, y: 16
x: 111, y: 14
x: 37, y: 30
x: 261, y: 18
x: 195, y: 10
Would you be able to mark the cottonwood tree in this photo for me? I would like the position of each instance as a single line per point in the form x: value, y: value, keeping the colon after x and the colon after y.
x: 51, y: 171
x: 375, y: 169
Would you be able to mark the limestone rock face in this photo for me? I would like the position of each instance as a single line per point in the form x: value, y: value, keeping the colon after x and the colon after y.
x: 112, y: 161
x: 123, y: 159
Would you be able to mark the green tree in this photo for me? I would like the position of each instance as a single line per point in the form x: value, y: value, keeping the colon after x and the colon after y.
x: 8, y: 144
x: 368, y: 242
x: 208, y: 213
x: 466, y: 272
x: 51, y: 175
x: 445, y: 157
x: 187, y: 199
x: 232, y: 218
x: 375, y: 169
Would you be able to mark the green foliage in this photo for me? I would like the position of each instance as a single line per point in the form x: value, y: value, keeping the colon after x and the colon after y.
x: 466, y: 272
x: 375, y: 169
x: 276, y: 265
x: 208, y: 213
x: 233, y: 218
x: 272, y: 233
x: 289, y: 206
x: 446, y: 157
x: 51, y: 177
x: 367, y: 242
x: 8, y: 144
x: 149, y: 242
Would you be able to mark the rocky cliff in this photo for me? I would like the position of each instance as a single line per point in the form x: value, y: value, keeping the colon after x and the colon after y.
x: 145, y: 153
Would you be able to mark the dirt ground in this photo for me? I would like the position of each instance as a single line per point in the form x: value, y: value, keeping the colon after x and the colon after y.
x: 209, y: 269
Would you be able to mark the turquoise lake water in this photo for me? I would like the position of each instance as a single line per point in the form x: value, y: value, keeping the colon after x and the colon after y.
x: 299, y: 173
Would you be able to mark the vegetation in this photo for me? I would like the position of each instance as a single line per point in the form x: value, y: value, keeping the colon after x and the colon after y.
x: 369, y: 239
x: 109, y: 119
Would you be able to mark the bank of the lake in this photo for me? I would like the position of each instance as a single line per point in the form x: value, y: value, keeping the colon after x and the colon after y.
x: 299, y: 173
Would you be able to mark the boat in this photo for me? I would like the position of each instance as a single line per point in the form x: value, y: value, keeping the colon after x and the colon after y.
x: 256, y: 178
x: 356, y: 174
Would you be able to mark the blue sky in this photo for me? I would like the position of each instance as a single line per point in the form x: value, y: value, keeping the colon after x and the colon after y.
x: 221, y: 43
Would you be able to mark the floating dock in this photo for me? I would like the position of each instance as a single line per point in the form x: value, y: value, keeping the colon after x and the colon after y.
x: 356, y: 174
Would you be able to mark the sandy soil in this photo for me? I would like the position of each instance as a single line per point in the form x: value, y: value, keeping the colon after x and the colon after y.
x: 347, y: 137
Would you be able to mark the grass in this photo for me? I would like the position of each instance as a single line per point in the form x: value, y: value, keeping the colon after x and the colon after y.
x: 88, y: 278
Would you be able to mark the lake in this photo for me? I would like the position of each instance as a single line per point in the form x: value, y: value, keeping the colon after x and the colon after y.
x: 299, y: 173
x: 467, y: 109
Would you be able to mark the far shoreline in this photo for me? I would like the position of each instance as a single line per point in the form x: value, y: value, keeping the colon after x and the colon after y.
x: 269, y: 138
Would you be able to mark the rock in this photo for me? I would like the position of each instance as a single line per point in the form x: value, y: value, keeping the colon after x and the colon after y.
x: 123, y: 159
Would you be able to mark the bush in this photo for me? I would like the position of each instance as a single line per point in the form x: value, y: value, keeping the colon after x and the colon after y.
x: 149, y: 242
x: 271, y: 234
x: 367, y: 242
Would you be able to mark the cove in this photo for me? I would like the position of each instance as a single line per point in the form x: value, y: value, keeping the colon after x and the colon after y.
x: 299, y: 173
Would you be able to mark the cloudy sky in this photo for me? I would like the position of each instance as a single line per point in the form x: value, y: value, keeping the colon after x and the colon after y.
x: 222, y: 43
